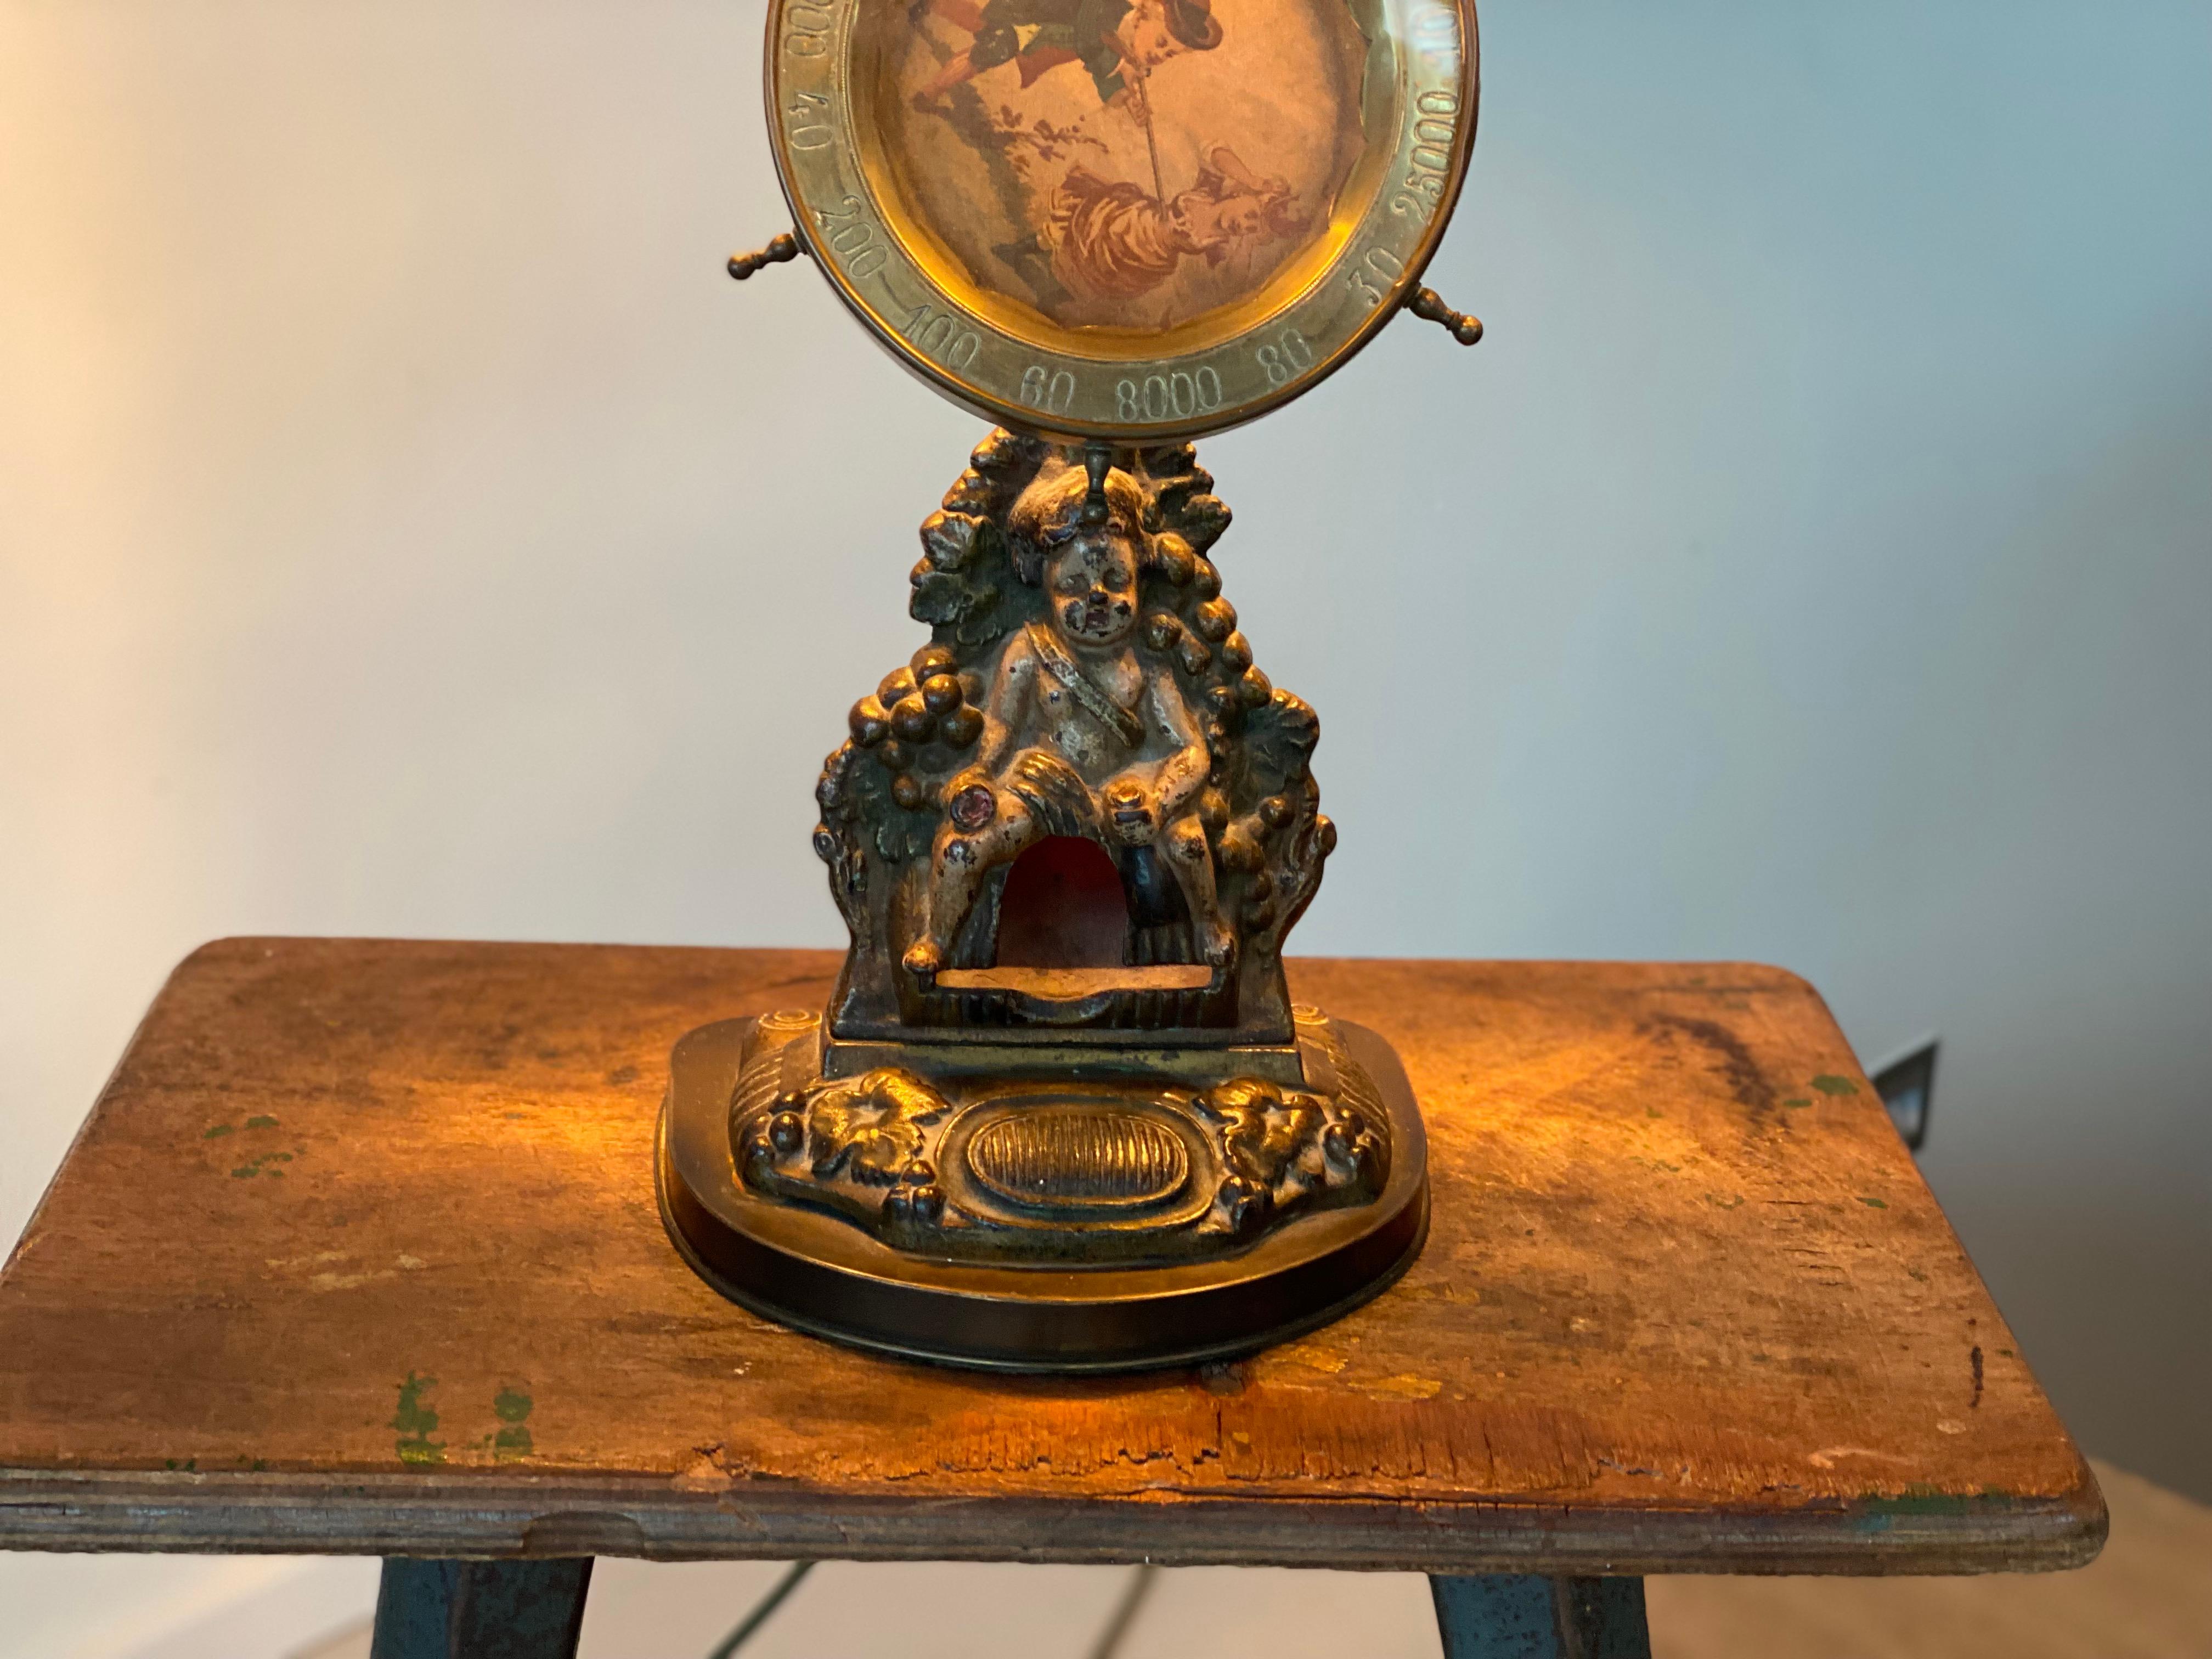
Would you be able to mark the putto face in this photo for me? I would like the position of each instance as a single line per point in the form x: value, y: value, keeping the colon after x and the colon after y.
x: 1093, y: 584
x: 1147, y: 31
x: 1240, y: 216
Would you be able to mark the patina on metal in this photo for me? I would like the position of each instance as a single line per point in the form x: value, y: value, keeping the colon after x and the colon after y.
x: 1060, y: 1223
x: 1086, y: 695
x: 1059, y: 1113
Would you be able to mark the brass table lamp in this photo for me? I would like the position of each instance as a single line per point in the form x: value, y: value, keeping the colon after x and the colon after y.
x: 1060, y: 1114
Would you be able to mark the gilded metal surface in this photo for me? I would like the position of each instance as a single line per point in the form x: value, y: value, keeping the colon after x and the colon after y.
x: 925, y: 1214
x: 1083, y: 1057
x: 1087, y: 1157
x: 957, y: 1165
x: 1081, y: 236
x: 1085, y: 680
x: 1069, y: 837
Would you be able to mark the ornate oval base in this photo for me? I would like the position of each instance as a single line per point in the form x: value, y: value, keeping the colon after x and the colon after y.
x: 819, y: 1273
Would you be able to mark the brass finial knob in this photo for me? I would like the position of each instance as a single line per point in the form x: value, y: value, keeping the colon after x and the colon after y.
x: 780, y: 250
x: 1427, y: 303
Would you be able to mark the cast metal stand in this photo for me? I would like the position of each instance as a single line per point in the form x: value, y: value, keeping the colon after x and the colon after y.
x: 1060, y: 1114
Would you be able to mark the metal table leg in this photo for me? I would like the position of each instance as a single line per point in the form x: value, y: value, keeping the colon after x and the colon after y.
x: 480, y: 1609
x: 1520, y: 1616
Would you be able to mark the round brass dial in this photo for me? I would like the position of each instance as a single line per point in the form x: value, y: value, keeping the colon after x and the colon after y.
x: 1141, y: 221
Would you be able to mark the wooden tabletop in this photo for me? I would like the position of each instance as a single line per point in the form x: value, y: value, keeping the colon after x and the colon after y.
x: 358, y: 1252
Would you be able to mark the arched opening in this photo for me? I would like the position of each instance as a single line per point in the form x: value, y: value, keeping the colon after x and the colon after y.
x: 1063, y: 907
x: 1065, y: 929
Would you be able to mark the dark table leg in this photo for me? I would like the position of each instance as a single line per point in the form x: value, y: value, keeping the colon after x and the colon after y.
x: 480, y: 1609
x: 1520, y: 1616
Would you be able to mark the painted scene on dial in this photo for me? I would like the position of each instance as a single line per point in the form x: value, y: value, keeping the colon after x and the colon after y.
x: 1130, y: 164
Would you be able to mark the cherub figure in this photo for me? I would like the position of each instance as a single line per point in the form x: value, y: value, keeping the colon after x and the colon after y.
x: 1081, y: 735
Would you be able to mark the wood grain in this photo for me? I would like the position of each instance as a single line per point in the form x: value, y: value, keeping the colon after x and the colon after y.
x: 358, y: 1252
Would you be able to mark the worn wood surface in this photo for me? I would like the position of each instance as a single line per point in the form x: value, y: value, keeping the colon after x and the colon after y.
x: 359, y: 1252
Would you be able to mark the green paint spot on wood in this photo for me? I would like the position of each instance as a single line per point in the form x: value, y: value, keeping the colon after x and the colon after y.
x: 261, y: 1121
x: 1718, y: 1202
x: 1874, y: 1203
x: 1652, y: 1111
x: 1922, y: 1499
x: 1829, y: 1083
x: 219, y: 1130
x: 511, y: 1406
x: 415, y: 1422
x: 1796, y: 1101
x: 261, y: 1165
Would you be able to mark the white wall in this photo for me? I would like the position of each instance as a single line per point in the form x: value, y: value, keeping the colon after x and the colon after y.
x: 406, y: 528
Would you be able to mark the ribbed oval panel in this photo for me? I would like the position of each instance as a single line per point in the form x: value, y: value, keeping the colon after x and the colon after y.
x: 1077, y: 1156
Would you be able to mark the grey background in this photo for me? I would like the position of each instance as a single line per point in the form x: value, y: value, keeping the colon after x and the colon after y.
x: 405, y: 528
